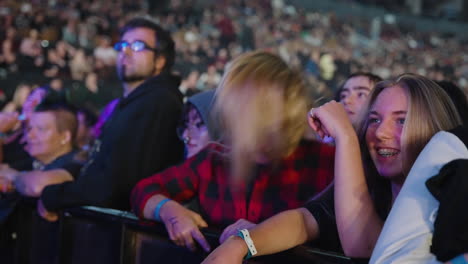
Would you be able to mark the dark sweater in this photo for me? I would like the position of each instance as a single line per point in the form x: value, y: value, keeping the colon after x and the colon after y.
x: 138, y: 140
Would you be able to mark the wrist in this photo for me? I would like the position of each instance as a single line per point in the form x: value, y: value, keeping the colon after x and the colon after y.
x: 157, y: 209
x: 14, y: 175
x: 165, y: 210
x: 251, y: 250
x: 348, y: 137
x: 237, y: 246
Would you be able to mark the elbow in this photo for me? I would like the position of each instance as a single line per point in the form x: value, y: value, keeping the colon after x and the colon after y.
x: 135, y: 201
x: 357, y: 251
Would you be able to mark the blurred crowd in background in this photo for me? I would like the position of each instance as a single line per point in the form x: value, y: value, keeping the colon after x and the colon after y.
x: 68, y: 45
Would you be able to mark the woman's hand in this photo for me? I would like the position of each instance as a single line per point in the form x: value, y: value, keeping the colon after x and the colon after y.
x: 183, y: 225
x: 234, y: 228
x: 331, y: 120
x: 232, y: 251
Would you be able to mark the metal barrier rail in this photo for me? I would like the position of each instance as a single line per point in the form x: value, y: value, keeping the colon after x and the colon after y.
x: 89, y: 235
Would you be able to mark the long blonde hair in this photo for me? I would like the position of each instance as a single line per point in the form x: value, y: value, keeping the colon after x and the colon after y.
x: 430, y: 110
x: 261, y: 106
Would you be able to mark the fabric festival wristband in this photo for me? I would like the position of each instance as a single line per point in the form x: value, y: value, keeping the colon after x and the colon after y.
x: 244, y: 234
x: 158, y: 209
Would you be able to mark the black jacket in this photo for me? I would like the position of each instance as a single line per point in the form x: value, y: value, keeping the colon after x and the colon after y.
x: 450, y: 187
x: 137, y: 141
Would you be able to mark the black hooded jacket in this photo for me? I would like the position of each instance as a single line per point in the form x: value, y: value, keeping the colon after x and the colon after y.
x: 138, y: 140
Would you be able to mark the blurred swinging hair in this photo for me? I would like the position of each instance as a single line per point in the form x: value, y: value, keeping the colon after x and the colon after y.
x: 261, y: 106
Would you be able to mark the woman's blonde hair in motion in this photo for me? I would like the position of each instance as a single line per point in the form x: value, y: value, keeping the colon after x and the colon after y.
x: 261, y: 106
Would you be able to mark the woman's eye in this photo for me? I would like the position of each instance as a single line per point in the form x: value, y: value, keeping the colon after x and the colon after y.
x: 362, y: 95
x: 374, y: 120
x: 401, y: 121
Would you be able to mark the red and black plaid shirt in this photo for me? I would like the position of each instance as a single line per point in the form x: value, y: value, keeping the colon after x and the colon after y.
x: 304, y: 173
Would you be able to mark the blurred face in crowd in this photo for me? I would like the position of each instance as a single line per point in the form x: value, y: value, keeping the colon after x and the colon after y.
x: 44, y: 142
x: 195, y: 134
x: 384, y: 133
x: 23, y: 91
x: 137, y: 66
x: 354, y: 95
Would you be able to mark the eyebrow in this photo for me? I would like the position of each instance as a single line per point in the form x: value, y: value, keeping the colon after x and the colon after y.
x: 348, y: 89
x: 361, y: 88
x: 402, y: 112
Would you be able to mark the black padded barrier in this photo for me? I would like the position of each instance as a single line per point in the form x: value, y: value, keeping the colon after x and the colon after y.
x: 92, y: 235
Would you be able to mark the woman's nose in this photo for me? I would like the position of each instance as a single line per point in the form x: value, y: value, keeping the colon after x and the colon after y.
x: 384, y: 131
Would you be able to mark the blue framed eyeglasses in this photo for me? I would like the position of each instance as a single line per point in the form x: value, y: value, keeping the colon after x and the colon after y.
x: 136, y: 46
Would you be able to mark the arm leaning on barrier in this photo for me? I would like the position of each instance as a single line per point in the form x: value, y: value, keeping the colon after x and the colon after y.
x: 32, y: 183
x: 182, y: 224
x: 233, y: 229
x: 278, y: 233
x: 180, y: 184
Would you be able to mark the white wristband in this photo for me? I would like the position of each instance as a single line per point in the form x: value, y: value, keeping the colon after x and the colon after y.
x: 249, y: 242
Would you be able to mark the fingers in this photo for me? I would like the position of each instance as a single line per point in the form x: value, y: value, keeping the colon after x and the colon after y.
x: 173, y: 233
x: 316, y: 124
x: 188, y: 240
x: 227, y: 232
x: 182, y: 231
x: 312, y: 119
x: 49, y: 216
x: 198, y: 220
x: 201, y: 240
x: 233, y: 229
x: 326, y: 119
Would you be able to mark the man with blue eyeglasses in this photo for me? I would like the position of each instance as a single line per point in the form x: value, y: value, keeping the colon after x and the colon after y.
x: 140, y: 138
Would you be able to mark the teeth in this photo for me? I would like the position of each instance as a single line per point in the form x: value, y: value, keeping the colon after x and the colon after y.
x: 387, y: 152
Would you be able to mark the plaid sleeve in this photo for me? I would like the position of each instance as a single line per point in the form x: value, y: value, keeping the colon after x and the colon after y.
x: 179, y: 183
x: 319, y: 159
x: 326, y: 165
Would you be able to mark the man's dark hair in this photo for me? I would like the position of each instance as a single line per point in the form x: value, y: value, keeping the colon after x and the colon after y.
x: 164, y: 43
x: 373, y: 78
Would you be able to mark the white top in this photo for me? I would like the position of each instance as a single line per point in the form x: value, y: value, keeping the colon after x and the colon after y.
x: 407, y: 234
